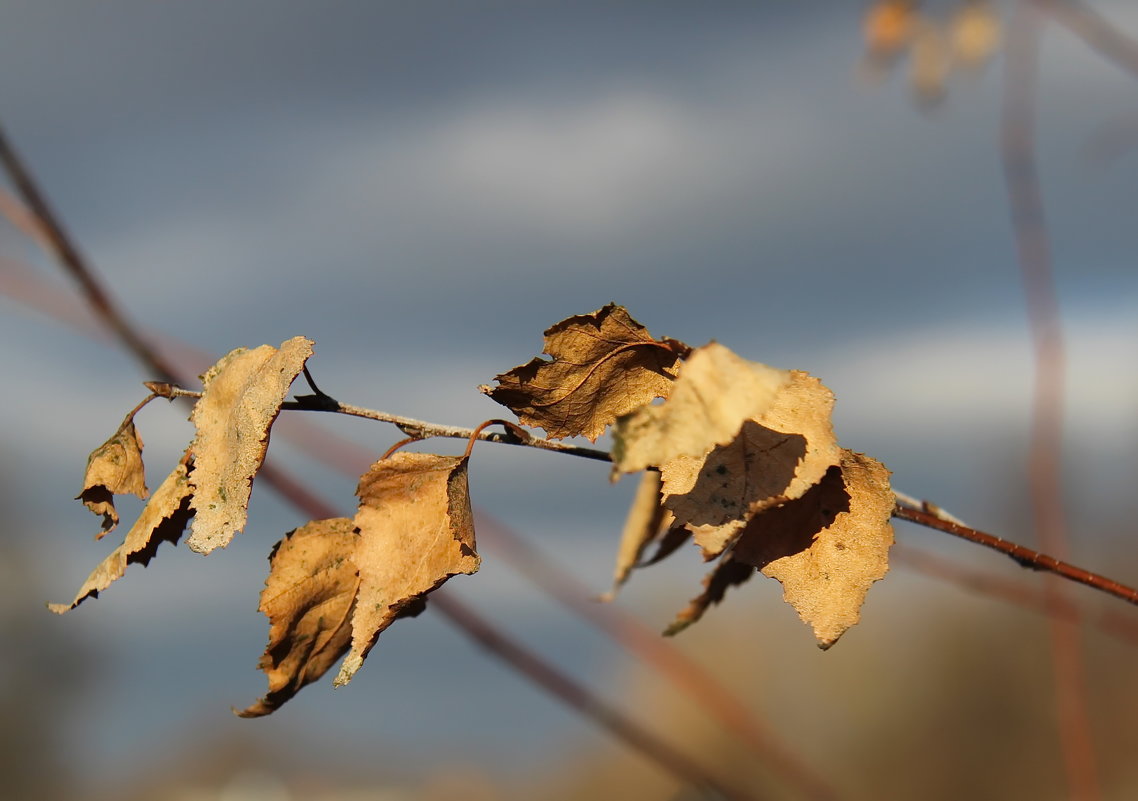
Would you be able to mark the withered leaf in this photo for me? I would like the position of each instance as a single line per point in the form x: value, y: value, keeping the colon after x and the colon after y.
x: 308, y: 599
x: 714, y: 393
x: 241, y: 397
x: 647, y: 521
x: 163, y: 519
x: 828, y: 546
x: 416, y: 531
x: 114, y: 468
x: 776, y: 457
x: 603, y: 365
x: 726, y: 575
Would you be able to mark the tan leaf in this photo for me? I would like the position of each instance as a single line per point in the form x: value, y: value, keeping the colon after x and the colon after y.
x: 726, y: 575
x: 828, y: 546
x: 114, y: 468
x: 416, y: 531
x: 776, y: 457
x: 647, y: 521
x: 163, y: 519
x: 604, y: 364
x: 241, y: 397
x: 714, y: 393
x: 308, y: 599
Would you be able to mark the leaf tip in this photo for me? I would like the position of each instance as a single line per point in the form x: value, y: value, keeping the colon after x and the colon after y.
x: 352, y: 664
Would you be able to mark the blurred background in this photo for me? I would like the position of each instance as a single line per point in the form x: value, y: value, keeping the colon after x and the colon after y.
x: 423, y: 187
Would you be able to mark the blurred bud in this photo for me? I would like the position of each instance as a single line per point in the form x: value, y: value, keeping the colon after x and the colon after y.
x: 888, y: 27
x: 931, y: 63
x: 975, y: 33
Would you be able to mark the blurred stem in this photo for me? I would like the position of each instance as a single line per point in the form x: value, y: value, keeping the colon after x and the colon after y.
x: 1086, y: 23
x: 67, y: 253
x: 1025, y: 200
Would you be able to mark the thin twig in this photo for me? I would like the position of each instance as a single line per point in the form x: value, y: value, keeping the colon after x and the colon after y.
x: 1103, y: 37
x: 423, y: 430
x: 420, y: 429
x: 1025, y: 557
x: 1033, y: 247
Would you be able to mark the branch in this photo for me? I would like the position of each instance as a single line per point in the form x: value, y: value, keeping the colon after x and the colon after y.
x: 417, y: 429
x: 906, y: 508
x: 1025, y: 557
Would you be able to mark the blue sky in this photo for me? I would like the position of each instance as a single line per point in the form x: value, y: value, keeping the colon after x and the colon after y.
x: 421, y: 188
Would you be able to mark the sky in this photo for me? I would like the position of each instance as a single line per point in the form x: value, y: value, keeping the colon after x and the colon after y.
x: 422, y: 188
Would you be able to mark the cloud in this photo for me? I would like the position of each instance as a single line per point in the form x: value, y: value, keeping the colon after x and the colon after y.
x: 946, y: 379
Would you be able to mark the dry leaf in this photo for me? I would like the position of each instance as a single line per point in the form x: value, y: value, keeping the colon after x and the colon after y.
x: 114, y: 468
x: 241, y: 397
x: 930, y: 63
x: 715, y: 392
x: 828, y: 546
x: 726, y: 575
x: 647, y: 521
x: 604, y: 364
x: 776, y: 457
x: 974, y: 33
x: 308, y: 599
x: 416, y: 531
x: 888, y: 27
x: 162, y: 520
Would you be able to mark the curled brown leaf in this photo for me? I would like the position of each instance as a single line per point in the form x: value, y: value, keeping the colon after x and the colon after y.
x: 163, y: 519
x: 308, y: 599
x: 603, y: 365
x: 114, y: 468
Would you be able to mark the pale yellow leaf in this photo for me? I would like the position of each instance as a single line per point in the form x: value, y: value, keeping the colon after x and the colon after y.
x: 828, y: 546
x: 776, y: 457
x: 163, y: 519
x: 603, y: 365
x: 308, y: 599
x: 114, y: 468
x: 241, y: 397
x: 716, y: 391
x: 416, y: 531
x: 647, y: 521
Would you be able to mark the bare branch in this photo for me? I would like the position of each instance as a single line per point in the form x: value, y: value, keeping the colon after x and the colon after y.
x: 1025, y: 557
